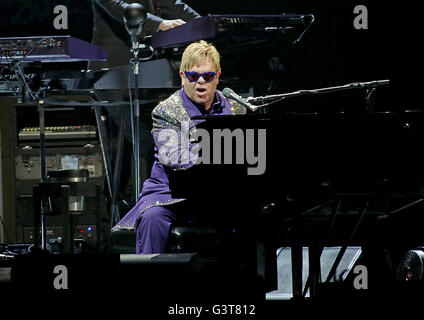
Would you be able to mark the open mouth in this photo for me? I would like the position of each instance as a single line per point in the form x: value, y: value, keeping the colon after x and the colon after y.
x: 201, y: 91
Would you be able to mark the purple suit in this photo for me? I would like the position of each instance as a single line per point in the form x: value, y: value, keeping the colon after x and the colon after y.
x: 152, y: 215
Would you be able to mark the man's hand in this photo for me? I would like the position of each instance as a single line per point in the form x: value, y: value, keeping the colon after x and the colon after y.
x: 169, y: 24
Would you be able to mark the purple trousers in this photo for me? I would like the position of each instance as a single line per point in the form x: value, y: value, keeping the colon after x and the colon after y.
x: 152, y: 227
x: 152, y: 230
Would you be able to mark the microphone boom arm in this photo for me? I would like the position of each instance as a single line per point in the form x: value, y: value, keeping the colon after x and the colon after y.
x: 354, y: 85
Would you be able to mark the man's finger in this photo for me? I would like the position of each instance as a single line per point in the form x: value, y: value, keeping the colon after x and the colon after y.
x: 177, y: 22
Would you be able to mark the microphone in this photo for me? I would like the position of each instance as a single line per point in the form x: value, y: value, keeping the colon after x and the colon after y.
x: 230, y: 94
x: 134, y: 16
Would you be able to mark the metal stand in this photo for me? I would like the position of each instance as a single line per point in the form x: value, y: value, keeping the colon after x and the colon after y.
x: 117, y: 172
x: 369, y: 86
x: 316, y: 250
x: 369, y: 98
x: 104, y: 144
x: 40, y: 107
x: 135, y: 62
x: 134, y: 16
x: 136, y: 129
x: 62, y: 190
x: 44, y: 202
x: 296, y: 261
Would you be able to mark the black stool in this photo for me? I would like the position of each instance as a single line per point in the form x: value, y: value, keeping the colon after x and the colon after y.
x: 123, y: 242
x: 186, y: 238
x: 183, y: 238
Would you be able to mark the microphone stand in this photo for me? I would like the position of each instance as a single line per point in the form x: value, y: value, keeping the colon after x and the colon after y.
x: 370, y: 86
x: 134, y: 17
x: 135, y: 62
x: 136, y: 132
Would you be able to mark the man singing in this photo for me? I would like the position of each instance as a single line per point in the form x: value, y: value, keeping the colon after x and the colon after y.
x: 110, y: 34
x: 156, y: 209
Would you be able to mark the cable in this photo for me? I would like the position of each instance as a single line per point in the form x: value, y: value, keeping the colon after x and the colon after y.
x: 306, y: 29
x: 16, y: 68
x: 19, y: 73
x: 53, y: 102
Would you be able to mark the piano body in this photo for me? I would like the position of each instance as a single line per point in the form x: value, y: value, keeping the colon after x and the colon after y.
x: 355, y: 152
x: 315, y: 163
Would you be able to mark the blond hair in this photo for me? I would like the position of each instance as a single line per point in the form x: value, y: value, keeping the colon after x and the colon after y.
x: 198, y: 52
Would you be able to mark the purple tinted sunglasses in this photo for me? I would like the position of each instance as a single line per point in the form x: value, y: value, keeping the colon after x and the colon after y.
x: 193, y: 76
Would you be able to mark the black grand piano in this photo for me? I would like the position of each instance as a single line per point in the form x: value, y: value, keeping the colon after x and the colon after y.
x: 329, y: 179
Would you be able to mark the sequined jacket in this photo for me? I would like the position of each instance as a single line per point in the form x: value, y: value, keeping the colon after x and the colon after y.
x: 171, y: 115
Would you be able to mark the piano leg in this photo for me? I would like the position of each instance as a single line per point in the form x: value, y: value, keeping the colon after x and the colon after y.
x: 314, y: 269
x: 296, y: 261
x: 342, y: 251
x: 297, y: 270
x: 267, y: 261
x: 315, y: 251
